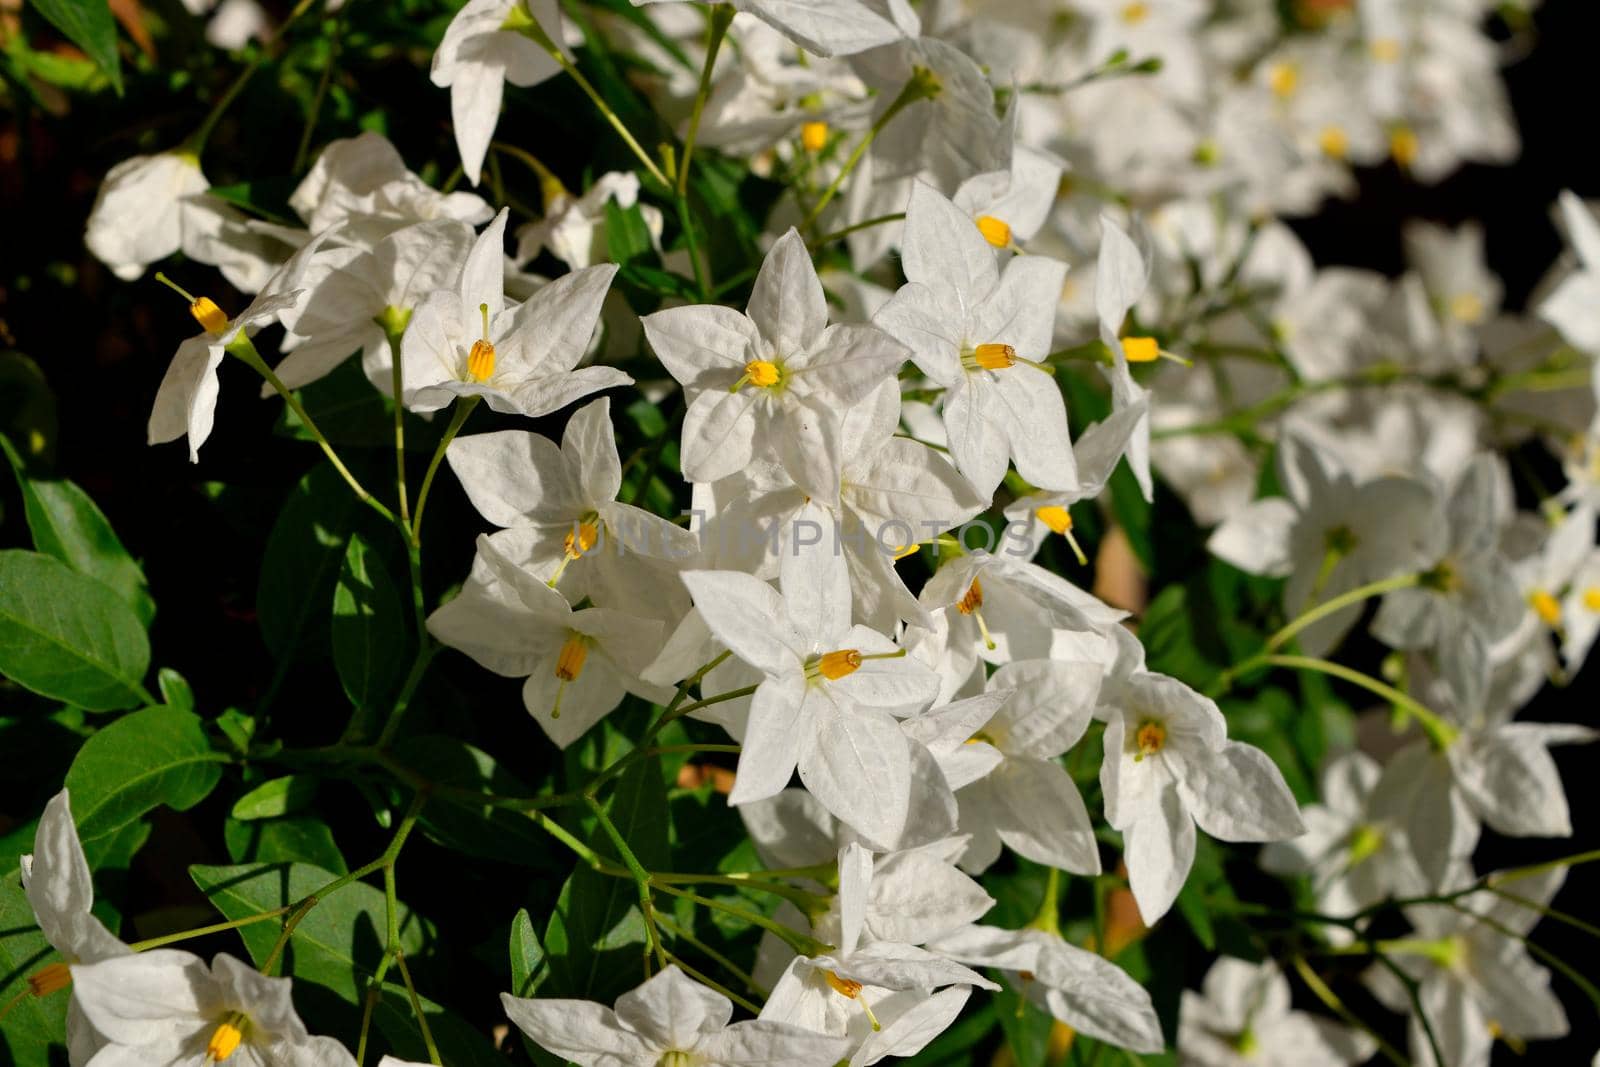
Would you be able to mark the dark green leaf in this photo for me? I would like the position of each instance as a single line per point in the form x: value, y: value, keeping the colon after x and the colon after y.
x: 67, y: 636
x: 66, y: 524
x: 175, y: 689
x: 89, y: 25
x: 32, y: 1025
x: 462, y: 824
x: 369, y: 636
x: 301, y: 566
x: 527, y: 955
x: 280, y: 796
x: 627, y: 234
x: 291, y: 839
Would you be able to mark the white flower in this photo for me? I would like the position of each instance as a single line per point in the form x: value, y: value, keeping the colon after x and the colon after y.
x: 1329, y: 534
x: 578, y: 664
x: 982, y: 336
x: 482, y: 49
x: 1097, y: 450
x: 362, y: 183
x: 574, y: 228
x: 1460, y: 291
x: 1242, y: 1017
x: 1121, y: 274
x: 832, y: 27
x: 670, y: 1020
x: 1009, y: 206
x: 1169, y: 765
x: 140, y: 213
x: 828, y: 697
x: 774, y: 382
x: 521, y: 360
x: 1083, y: 990
x: 563, y: 521
x: 1574, y: 306
x: 166, y: 1008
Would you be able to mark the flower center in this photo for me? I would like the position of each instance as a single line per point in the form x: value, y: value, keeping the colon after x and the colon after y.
x: 1547, y: 607
x: 1151, y: 738
x: 49, y: 979
x: 1141, y: 349
x: 1283, y: 79
x: 996, y: 231
x: 480, y: 361
x: 675, y: 1058
x: 1135, y: 13
x: 1591, y: 598
x: 971, y: 600
x: 1385, y: 49
x: 839, y: 663
x: 580, y: 539
x: 226, y: 1038
x: 814, y: 136
x: 1404, y: 146
x: 1467, y: 308
x: 845, y: 987
x: 208, y: 315
x: 1059, y: 520
x: 1365, y: 841
x: 569, y: 661
x: 1334, y: 142
x: 760, y: 372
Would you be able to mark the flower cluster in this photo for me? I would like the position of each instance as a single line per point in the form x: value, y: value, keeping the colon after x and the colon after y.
x: 1052, y: 262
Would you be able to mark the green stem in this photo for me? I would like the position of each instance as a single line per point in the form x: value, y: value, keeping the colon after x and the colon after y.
x: 408, y: 689
x: 716, y: 30
x: 922, y: 85
x: 1339, y: 603
x: 463, y: 410
x: 713, y: 984
x: 536, y: 33
x: 641, y: 878
x: 1315, y: 983
x: 804, y: 944
x: 1441, y: 733
x: 416, y: 1008
x: 202, y: 931
x: 682, y: 934
x: 855, y: 227
x: 702, y: 280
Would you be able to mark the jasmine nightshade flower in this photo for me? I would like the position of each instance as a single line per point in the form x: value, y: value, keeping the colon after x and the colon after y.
x: 1460, y: 292
x: 1121, y: 274
x: 562, y: 520
x: 1574, y: 306
x: 574, y: 228
x: 166, y: 1008
x: 363, y: 184
x: 1087, y: 992
x: 485, y: 46
x: 1033, y: 518
x: 521, y: 360
x: 578, y: 664
x: 1009, y: 206
x: 669, y: 1020
x: 775, y: 381
x: 982, y: 335
x: 831, y: 27
x: 827, y: 701
x: 1242, y: 1016
x: 1168, y: 766
x: 139, y: 214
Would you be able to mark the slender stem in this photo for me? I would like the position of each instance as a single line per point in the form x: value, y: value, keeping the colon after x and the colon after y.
x: 536, y: 33
x: 712, y: 954
x: 416, y: 1008
x: 408, y: 689
x: 306, y: 133
x: 641, y: 877
x: 711, y: 983
x: 702, y: 280
x: 716, y: 30
x: 369, y: 1002
x: 566, y: 837
x: 922, y: 85
x: 463, y: 409
x: 201, y: 931
x: 801, y: 943
x: 397, y: 375
x: 864, y: 224
x: 1315, y: 983
x: 1339, y: 603
x: 1439, y: 732
x: 1412, y: 992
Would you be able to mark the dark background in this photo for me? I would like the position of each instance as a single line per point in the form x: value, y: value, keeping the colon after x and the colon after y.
x: 103, y: 346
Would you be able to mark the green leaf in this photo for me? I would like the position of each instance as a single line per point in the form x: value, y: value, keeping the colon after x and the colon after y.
x: 156, y: 756
x: 291, y: 839
x: 527, y: 955
x: 627, y: 234
x: 595, y: 938
x: 32, y: 1025
x: 175, y: 689
x: 67, y: 636
x: 300, y: 567
x: 369, y: 636
x: 280, y: 796
x: 462, y: 824
x: 66, y: 524
x: 89, y: 25
x: 1026, y: 1027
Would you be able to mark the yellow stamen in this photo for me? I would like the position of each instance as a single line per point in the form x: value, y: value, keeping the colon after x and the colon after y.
x: 1403, y: 145
x: 581, y: 539
x: 1135, y: 13
x: 1467, y: 308
x: 1591, y: 598
x: 1141, y: 349
x: 995, y: 356
x: 1283, y: 79
x: 906, y: 550
x: 845, y: 987
x: 814, y: 136
x: 1334, y: 142
x: 972, y: 600
x: 996, y: 231
x: 210, y: 317
x: 839, y: 663
x: 225, y: 1040
x: 1385, y: 49
x: 50, y: 979
x: 1547, y: 607
x: 480, y: 361
x: 759, y: 372
x: 1515, y: 1044
x: 569, y: 661
x: 1151, y: 738
x: 1059, y: 520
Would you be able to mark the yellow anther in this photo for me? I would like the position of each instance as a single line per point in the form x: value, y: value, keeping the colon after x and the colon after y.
x: 1141, y: 349
x: 50, y: 979
x: 225, y: 1040
x: 1334, y: 142
x: 1151, y: 738
x: 995, y: 356
x: 996, y: 231
x: 1058, y: 518
x: 845, y: 987
x: 569, y: 661
x: 814, y: 136
x: 906, y: 550
x: 480, y: 361
x: 1283, y: 79
x: 972, y: 600
x: 1135, y: 13
x: 1547, y: 607
x: 1364, y: 842
x: 979, y: 738
x: 1385, y: 49
x: 581, y: 539
x: 839, y: 663
x: 1467, y: 308
x: 676, y: 1058
x: 759, y: 372
x: 1403, y: 145
x: 1591, y: 598
x: 210, y: 317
